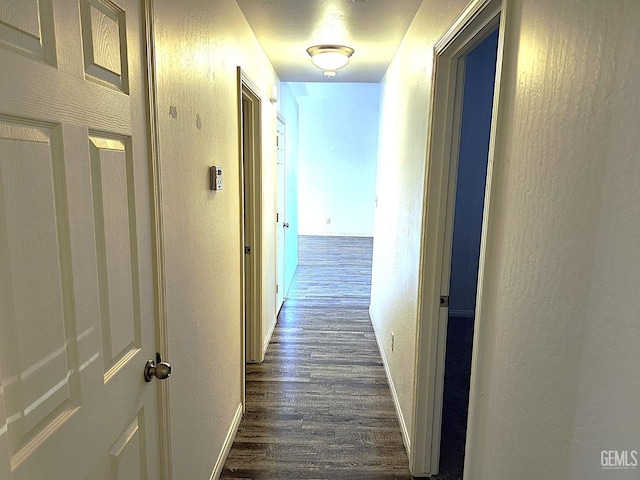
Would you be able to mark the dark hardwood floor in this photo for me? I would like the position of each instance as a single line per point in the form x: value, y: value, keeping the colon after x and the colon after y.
x: 319, y: 407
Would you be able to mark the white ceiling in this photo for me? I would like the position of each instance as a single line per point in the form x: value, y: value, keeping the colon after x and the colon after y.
x: 373, y: 28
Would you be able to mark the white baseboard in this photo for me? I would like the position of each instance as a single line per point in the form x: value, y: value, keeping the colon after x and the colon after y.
x: 403, y: 425
x: 267, y: 338
x: 228, y: 443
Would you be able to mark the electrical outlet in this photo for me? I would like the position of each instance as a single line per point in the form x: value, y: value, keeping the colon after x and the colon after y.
x: 393, y: 341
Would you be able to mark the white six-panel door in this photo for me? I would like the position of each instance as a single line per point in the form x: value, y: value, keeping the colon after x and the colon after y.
x: 76, y: 274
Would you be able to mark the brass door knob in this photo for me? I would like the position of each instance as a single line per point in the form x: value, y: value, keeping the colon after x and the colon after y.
x: 161, y: 370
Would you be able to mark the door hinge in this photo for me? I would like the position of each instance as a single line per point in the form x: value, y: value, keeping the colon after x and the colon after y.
x: 444, y: 301
x: 277, y: 217
x: 247, y: 250
x: 277, y: 288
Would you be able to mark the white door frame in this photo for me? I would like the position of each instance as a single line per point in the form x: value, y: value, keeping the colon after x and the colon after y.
x: 160, y: 286
x: 281, y: 218
x: 479, y: 18
x: 250, y: 187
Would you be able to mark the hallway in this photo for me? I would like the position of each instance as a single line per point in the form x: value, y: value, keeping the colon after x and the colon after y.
x: 319, y: 406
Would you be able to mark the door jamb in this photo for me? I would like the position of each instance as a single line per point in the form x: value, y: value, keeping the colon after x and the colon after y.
x: 477, y: 20
x: 252, y: 328
x: 280, y: 119
x: 158, y: 252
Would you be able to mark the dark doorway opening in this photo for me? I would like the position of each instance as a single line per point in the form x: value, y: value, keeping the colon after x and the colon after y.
x: 479, y: 81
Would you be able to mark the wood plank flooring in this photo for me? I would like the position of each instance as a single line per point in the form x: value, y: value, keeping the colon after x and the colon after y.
x: 334, y: 269
x: 319, y: 407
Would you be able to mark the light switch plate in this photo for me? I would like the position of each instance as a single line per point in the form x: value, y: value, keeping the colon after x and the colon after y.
x: 215, y: 178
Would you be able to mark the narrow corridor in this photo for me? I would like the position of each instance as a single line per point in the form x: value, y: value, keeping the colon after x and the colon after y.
x: 319, y: 406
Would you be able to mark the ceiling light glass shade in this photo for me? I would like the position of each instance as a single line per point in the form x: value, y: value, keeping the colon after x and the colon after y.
x: 330, y: 57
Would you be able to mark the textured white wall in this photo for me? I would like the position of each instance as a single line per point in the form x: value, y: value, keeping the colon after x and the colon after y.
x: 558, y: 342
x: 200, y: 43
x: 559, y: 336
x: 338, y: 153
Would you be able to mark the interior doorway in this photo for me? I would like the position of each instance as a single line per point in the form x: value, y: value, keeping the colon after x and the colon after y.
x: 450, y: 136
x: 281, y: 215
x: 251, y: 221
x: 468, y: 199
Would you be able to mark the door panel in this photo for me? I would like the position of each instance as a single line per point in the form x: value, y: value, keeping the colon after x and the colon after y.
x: 39, y: 366
x: 104, y: 41
x: 114, y: 207
x: 77, y: 312
x: 26, y: 26
x: 128, y: 454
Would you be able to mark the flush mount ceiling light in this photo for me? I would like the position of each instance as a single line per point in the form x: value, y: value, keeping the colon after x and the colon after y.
x: 330, y: 58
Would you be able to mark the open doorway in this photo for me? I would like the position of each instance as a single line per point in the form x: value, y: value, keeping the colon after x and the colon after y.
x: 452, y: 137
x: 281, y: 216
x: 479, y: 80
x: 251, y: 222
